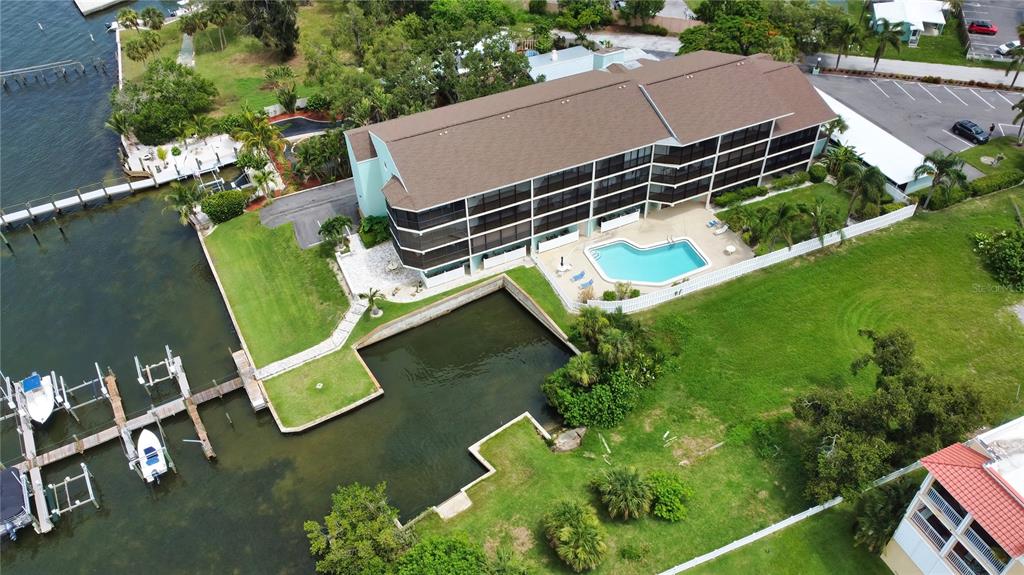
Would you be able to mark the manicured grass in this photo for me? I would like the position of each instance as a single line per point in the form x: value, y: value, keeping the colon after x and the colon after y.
x: 741, y: 352
x: 945, y: 48
x: 170, y: 45
x: 808, y: 195
x: 820, y: 545
x: 1006, y: 145
x: 285, y: 299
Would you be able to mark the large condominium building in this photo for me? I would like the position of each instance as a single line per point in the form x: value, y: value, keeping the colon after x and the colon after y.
x: 968, y: 517
x: 510, y: 171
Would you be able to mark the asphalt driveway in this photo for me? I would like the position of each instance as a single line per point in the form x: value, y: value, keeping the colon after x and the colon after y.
x: 1005, y: 14
x: 309, y: 208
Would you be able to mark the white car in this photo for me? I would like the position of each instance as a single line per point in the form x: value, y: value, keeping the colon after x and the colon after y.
x: 1008, y: 47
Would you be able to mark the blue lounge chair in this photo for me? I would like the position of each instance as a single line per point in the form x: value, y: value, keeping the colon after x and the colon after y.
x: 586, y: 284
x: 713, y: 223
x: 578, y: 277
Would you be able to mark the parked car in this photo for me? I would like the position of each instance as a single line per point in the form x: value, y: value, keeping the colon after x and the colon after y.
x: 983, y: 27
x: 1005, y: 49
x: 970, y: 131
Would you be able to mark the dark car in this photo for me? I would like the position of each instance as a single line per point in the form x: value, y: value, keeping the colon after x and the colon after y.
x: 970, y: 131
x: 983, y: 27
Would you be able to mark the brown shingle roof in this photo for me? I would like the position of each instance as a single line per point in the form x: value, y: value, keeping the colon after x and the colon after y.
x: 459, y: 150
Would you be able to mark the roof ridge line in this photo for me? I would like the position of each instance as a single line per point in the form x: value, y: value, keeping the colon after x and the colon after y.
x: 699, y: 70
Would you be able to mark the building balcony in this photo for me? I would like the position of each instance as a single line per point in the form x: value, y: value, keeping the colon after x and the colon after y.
x: 950, y: 510
x: 930, y: 526
x: 963, y: 562
x: 989, y: 550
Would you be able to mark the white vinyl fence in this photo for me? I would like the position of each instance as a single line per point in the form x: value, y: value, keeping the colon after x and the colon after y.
x: 723, y: 275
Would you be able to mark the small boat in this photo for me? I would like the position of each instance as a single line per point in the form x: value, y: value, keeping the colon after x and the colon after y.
x: 152, y: 461
x: 39, y: 396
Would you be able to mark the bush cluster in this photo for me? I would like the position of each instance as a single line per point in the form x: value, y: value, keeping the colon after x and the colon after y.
x: 574, y: 532
x: 167, y: 95
x: 652, y: 29
x: 670, y: 495
x: 995, y: 182
x: 225, y: 205
x: 791, y: 180
x: 730, y: 199
x: 373, y: 230
x: 1002, y: 253
x: 318, y: 103
x: 931, y: 79
x: 817, y: 173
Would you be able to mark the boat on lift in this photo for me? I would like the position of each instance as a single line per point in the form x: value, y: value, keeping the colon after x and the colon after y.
x: 40, y: 398
x: 152, y: 458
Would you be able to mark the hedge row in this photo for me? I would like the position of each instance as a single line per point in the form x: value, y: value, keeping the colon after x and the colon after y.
x: 729, y: 199
x: 225, y: 205
x: 995, y: 182
x: 790, y: 180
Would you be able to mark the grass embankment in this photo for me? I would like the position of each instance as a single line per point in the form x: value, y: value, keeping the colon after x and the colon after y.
x: 284, y: 299
x: 170, y: 45
x: 740, y: 353
x: 294, y: 393
x: 808, y: 195
x: 1006, y: 145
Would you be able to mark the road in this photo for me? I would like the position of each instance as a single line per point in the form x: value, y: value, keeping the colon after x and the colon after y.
x: 309, y: 208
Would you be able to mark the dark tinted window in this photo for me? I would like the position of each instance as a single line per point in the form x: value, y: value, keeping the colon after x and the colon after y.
x: 428, y: 218
x: 682, y: 155
x: 670, y: 195
x: 623, y: 162
x: 666, y: 175
x: 737, y: 174
x: 741, y: 156
x: 788, y: 158
x: 745, y: 136
x: 498, y: 198
x: 499, y: 218
x: 793, y: 140
x: 621, y: 181
x: 428, y: 240
x: 433, y: 258
x: 563, y: 199
x: 621, y: 200
x: 501, y: 237
x: 563, y: 179
x: 561, y: 219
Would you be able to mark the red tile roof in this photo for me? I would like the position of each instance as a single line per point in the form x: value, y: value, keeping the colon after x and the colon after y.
x: 993, y: 503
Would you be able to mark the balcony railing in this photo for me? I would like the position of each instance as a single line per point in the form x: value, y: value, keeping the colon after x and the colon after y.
x: 984, y: 549
x: 937, y: 540
x: 961, y: 566
x: 944, y: 507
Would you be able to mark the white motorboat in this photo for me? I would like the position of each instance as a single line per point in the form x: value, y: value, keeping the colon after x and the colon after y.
x: 152, y: 459
x: 39, y: 396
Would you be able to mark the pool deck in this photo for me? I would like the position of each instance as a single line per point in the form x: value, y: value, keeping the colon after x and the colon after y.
x: 683, y: 221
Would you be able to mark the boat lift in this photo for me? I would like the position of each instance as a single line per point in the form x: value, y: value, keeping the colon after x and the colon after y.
x: 136, y: 462
x: 64, y: 397
x: 148, y: 375
x: 65, y: 504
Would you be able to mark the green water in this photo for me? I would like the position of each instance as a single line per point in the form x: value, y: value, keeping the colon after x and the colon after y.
x: 446, y: 383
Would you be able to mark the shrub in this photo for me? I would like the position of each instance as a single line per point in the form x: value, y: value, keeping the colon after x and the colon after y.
x: 995, y: 182
x: 879, y: 512
x: 891, y: 207
x: 175, y: 151
x: 817, y: 173
x: 670, y: 495
x: 449, y: 555
x: 652, y: 29
x: 634, y: 293
x: 373, y: 230
x: 637, y: 552
x: 624, y: 492
x: 609, y: 295
x: 318, y: 103
x: 869, y: 210
x: 538, y: 7
x: 224, y: 206
x: 623, y: 289
x: 729, y: 199
x: 250, y: 160
x: 604, y: 404
x: 574, y: 532
x: 790, y: 180
x: 931, y: 79
x: 1002, y: 253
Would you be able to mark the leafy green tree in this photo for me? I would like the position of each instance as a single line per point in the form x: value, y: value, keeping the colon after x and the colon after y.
x: 223, y: 206
x: 166, y: 95
x: 1002, y: 253
x: 456, y: 14
x: 128, y: 19
x: 495, y: 68
x: 573, y: 530
x: 581, y: 16
x: 642, y: 10
x: 879, y: 512
x: 448, y: 555
x: 886, y: 34
x: 360, y: 535
x: 670, y: 495
x: 710, y: 12
x: 152, y: 17
x: 357, y: 23
x: 274, y: 22
x: 625, y: 492
x: 944, y: 168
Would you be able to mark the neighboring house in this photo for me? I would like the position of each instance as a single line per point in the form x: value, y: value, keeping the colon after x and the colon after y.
x: 879, y: 148
x: 927, y: 17
x: 576, y: 60
x: 556, y: 159
x: 968, y: 517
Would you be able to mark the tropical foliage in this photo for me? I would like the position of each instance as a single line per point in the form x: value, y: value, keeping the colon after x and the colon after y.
x: 142, y: 46
x: 443, y: 556
x: 886, y: 34
x: 333, y: 230
x: 223, y: 206
x: 624, y: 492
x: 946, y: 171
x: 166, y: 96
x: 879, y: 512
x: 573, y: 530
x: 323, y: 157
x: 1002, y: 253
x: 183, y: 198
x: 670, y: 495
x: 373, y: 230
x: 274, y: 23
x: 866, y: 187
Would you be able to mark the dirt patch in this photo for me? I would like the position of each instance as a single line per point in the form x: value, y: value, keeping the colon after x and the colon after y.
x: 1018, y: 310
x: 616, y: 438
x: 687, y: 450
x: 651, y: 418
x: 522, y: 539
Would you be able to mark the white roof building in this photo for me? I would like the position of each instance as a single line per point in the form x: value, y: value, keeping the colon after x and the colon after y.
x: 577, y: 60
x: 917, y: 13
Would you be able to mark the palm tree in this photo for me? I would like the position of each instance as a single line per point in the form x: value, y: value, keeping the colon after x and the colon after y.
x: 945, y: 169
x: 202, y: 126
x: 839, y: 157
x: 845, y: 37
x: 864, y: 184
x: 886, y: 34
x: 837, y: 124
x: 1019, y: 108
x: 1016, y: 61
x: 879, y: 512
x: 219, y: 14
x: 333, y: 229
x: 262, y: 178
x: 614, y: 346
x: 783, y: 220
x: 183, y: 199
x: 372, y: 296
x: 152, y: 17
x: 824, y: 219
x: 624, y: 492
x: 128, y: 18
x: 260, y: 136
x: 589, y: 325
x: 119, y: 123
x: 582, y: 369
x: 576, y: 534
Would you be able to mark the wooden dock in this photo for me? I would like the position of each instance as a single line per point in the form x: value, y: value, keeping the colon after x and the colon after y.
x: 253, y: 386
x: 42, y: 521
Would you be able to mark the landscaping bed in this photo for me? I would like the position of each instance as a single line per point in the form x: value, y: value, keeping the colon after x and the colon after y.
x: 802, y: 229
x: 1006, y: 145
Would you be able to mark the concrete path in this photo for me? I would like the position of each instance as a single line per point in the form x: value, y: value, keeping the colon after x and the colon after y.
x: 625, y: 40
x: 187, y: 54
x: 338, y: 338
x: 309, y: 208
x: 677, y: 9
x: 945, y: 71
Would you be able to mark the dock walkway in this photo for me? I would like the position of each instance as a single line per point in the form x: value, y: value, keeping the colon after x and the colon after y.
x: 253, y: 387
x: 35, y: 474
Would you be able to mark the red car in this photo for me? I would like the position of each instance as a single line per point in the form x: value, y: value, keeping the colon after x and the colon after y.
x: 983, y: 27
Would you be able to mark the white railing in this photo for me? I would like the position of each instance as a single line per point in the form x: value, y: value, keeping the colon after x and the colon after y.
x: 736, y: 270
x: 558, y: 242
x: 944, y: 507
x: 499, y: 259
x: 960, y: 565
x: 937, y: 540
x: 444, y: 277
x: 620, y: 221
x: 983, y: 548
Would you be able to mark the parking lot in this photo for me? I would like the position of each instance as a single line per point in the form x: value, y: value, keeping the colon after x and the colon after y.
x: 922, y: 115
x: 1005, y: 14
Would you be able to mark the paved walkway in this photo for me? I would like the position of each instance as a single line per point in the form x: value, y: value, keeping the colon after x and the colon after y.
x: 333, y: 343
x: 309, y: 208
x: 625, y: 40
x: 945, y: 71
x: 677, y: 9
x: 187, y: 54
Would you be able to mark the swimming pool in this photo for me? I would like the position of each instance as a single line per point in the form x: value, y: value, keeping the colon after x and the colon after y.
x: 621, y: 261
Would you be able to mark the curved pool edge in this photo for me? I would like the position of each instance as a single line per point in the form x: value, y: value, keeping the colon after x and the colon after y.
x: 600, y: 270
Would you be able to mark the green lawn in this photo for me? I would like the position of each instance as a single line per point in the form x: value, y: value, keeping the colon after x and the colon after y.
x: 284, y: 299
x: 170, y: 45
x: 1006, y: 145
x: 741, y: 352
x: 828, y: 193
x: 294, y: 393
